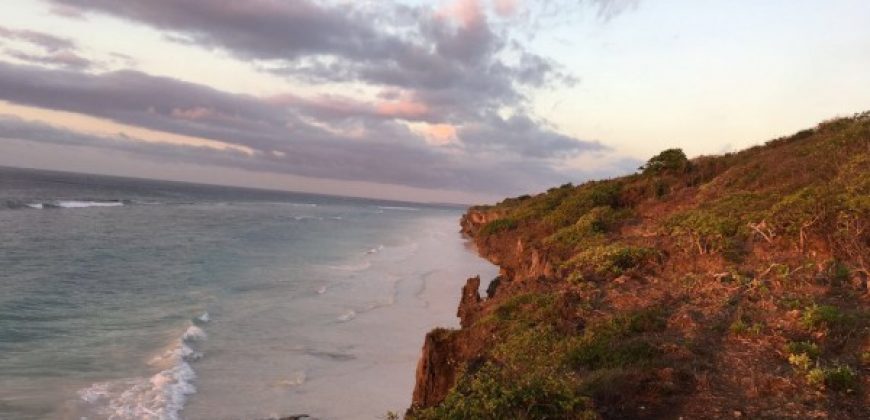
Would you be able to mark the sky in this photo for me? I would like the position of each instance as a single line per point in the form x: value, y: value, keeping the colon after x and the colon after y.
x: 451, y: 101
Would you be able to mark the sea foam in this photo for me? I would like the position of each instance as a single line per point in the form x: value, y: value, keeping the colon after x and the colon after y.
x: 159, y: 397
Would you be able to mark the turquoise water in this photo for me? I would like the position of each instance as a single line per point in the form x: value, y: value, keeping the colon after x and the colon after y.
x: 139, y: 299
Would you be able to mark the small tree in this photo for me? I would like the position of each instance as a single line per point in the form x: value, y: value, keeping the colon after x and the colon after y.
x: 670, y: 160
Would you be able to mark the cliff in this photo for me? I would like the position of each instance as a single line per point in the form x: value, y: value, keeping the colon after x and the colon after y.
x: 718, y: 287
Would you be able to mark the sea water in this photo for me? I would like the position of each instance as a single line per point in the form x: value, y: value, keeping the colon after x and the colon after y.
x: 134, y: 299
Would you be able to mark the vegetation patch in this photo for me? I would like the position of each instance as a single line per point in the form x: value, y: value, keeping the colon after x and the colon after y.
x: 498, y: 226
x: 670, y: 160
x: 615, y: 343
x: 612, y: 259
x: 838, y: 378
x: 804, y: 347
x: 496, y: 392
x: 822, y: 315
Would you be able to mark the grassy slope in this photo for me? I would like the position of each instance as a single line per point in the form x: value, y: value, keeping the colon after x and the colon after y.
x: 723, y: 286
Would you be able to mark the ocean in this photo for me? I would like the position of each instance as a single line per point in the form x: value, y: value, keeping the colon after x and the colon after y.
x: 139, y: 299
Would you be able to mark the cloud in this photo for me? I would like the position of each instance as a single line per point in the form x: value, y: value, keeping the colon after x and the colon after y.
x: 505, y: 8
x: 450, y: 109
x: 50, y: 50
x: 359, y: 146
x: 443, y: 53
x: 46, y: 41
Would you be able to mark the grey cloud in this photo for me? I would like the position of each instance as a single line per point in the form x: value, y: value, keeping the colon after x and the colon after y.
x: 385, y: 151
x: 521, y: 133
x: 458, y: 69
x: 54, y: 51
x: 254, y: 28
x: 46, y: 41
x: 171, y: 105
x: 385, y: 44
x: 65, y: 59
x: 386, y: 163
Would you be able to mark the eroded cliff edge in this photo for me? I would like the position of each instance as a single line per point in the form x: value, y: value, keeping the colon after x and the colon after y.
x: 718, y: 287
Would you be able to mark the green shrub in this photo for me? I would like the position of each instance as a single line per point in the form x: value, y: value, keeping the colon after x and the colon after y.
x: 840, y: 272
x: 801, y: 361
x: 670, y: 160
x: 589, y: 230
x: 819, y: 315
x: 615, y: 343
x: 497, y: 226
x: 605, y: 352
x: 741, y: 327
x: 495, y: 392
x: 582, y: 200
x: 797, y: 210
x: 612, y: 259
x: 707, y: 231
x: 841, y: 378
x: 816, y: 376
x: 804, y: 347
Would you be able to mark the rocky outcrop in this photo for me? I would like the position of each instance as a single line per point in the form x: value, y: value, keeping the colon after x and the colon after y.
x: 475, y: 218
x: 436, y: 370
x: 469, y: 304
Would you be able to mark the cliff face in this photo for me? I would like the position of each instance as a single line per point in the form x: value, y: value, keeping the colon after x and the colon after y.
x: 719, y: 287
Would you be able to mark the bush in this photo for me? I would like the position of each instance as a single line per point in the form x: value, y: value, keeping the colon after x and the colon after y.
x: 497, y: 226
x: 801, y: 361
x: 615, y: 344
x: 804, y: 347
x: 613, y: 259
x: 841, y: 378
x: 670, y: 160
x: 605, y: 353
x: 707, y: 231
x: 589, y: 230
x: 819, y: 315
x: 582, y: 200
x: 741, y: 327
x: 494, y: 392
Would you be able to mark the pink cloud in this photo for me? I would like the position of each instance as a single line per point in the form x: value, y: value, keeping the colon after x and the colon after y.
x: 467, y: 13
x: 393, y: 106
x: 405, y: 109
x: 437, y: 134
x: 505, y: 8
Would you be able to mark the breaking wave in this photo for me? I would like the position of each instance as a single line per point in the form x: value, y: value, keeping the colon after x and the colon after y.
x: 401, y: 208
x: 60, y: 204
x: 159, y: 397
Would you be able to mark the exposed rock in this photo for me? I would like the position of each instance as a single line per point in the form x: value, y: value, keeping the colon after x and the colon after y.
x: 469, y: 304
x: 492, y: 288
x: 436, y: 370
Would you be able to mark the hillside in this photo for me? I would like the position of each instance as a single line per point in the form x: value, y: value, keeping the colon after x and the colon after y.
x: 718, y: 287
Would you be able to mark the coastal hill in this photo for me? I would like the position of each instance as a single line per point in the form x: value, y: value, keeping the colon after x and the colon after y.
x: 718, y: 287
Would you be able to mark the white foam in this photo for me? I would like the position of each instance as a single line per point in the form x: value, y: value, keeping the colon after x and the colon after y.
x: 375, y: 250
x: 38, y: 206
x: 347, y: 316
x: 297, y: 218
x: 398, y: 208
x: 159, y: 397
x: 351, y: 267
x: 321, y: 290
x: 204, y: 317
x: 84, y: 204
x: 303, y: 204
x: 297, y: 379
x: 194, y: 333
